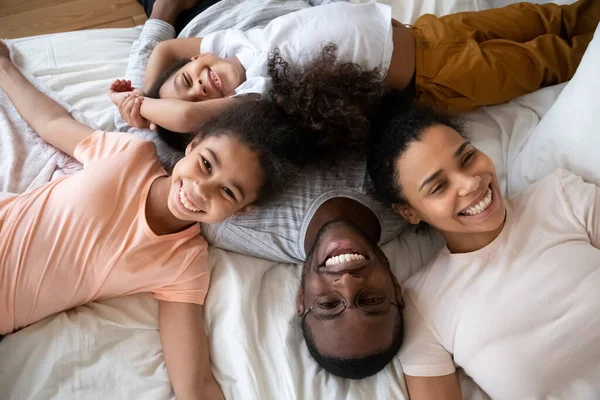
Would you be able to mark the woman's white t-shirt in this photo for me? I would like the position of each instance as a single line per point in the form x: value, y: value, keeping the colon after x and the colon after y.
x: 361, y: 32
x: 522, y: 315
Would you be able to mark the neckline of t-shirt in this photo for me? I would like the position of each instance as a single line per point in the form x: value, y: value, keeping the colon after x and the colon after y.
x: 188, y: 232
x: 491, y: 249
x: 322, y: 198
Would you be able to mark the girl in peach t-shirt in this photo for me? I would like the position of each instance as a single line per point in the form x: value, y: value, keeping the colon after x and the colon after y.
x: 123, y: 226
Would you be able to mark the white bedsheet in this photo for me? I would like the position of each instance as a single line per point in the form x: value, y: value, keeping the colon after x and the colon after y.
x: 111, y: 350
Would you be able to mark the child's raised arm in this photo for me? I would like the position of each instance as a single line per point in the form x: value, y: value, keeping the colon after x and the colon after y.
x: 183, y: 116
x: 45, y: 116
x: 166, y: 53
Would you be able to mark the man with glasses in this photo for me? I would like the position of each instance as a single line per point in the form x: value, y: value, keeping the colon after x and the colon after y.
x: 349, y: 301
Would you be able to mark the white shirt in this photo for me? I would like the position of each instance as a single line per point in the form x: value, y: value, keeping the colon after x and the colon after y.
x: 361, y: 32
x: 521, y: 316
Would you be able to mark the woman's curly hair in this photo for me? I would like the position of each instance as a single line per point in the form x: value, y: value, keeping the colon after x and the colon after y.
x: 332, y: 101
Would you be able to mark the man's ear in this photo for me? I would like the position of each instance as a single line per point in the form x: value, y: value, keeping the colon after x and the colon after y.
x: 197, y: 56
x: 407, y: 212
x: 300, y: 301
x: 245, y: 209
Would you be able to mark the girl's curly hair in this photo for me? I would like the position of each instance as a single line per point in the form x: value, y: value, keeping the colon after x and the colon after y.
x: 332, y: 101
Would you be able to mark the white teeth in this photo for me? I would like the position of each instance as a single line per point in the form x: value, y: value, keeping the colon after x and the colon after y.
x: 215, y: 79
x: 185, y: 202
x: 343, y: 258
x: 481, y: 206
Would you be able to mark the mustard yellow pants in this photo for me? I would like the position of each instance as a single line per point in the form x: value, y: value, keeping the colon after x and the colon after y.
x: 473, y: 59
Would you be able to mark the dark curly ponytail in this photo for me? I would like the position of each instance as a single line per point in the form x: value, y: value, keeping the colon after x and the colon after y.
x: 332, y: 101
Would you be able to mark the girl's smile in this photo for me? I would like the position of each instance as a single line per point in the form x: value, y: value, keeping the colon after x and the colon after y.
x: 187, y: 203
x: 219, y: 176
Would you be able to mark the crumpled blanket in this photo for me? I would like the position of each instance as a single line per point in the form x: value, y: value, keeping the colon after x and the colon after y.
x: 26, y: 161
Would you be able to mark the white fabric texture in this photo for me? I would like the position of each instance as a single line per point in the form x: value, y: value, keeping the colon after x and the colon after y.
x: 521, y: 314
x: 361, y: 32
x: 568, y: 135
x: 111, y: 350
x: 25, y: 160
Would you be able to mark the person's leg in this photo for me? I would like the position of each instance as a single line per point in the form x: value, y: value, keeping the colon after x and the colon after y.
x: 460, y: 68
x: 147, y: 4
x: 185, y: 16
x: 522, y: 22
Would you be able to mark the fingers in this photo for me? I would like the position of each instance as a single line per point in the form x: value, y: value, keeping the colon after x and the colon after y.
x: 115, y: 84
x: 138, y: 120
x: 125, y: 109
x: 130, y: 110
x: 121, y: 85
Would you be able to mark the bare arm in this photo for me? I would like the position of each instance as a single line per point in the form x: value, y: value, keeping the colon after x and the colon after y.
x: 169, y: 51
x: 185, y: 347
x: 438, y: 387
x: 166, y: 53
x: 45, y: 116
x: 183, y: 116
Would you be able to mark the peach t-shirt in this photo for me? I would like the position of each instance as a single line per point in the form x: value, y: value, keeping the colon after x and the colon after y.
x: 85, y: 237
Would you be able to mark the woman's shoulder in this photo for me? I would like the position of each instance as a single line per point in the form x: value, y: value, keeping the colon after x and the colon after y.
x: 429, y: 278
x: 561, y: 184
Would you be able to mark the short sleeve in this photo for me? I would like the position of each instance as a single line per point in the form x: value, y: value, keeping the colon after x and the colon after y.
x: 101, y: 145
x: 421, y: 353
x: 191, y: 286
x: 584, y: 200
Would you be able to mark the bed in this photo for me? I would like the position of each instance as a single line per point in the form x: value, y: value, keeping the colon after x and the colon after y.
x: 111, y: 349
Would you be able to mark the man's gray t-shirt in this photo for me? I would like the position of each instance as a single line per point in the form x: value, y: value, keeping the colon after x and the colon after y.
x: 276, y: 230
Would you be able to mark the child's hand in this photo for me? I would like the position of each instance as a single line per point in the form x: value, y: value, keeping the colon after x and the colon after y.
x: 130, y: 111
x: 4, y: 53
x: 120, y: 88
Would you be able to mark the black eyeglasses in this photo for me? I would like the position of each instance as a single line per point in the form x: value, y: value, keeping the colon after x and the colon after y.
x: 329, y: 305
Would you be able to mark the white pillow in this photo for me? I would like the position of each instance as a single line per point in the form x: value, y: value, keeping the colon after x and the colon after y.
x: 568, y: 136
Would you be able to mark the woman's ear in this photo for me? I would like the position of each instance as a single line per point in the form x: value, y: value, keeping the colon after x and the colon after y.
x: 407, y: 212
